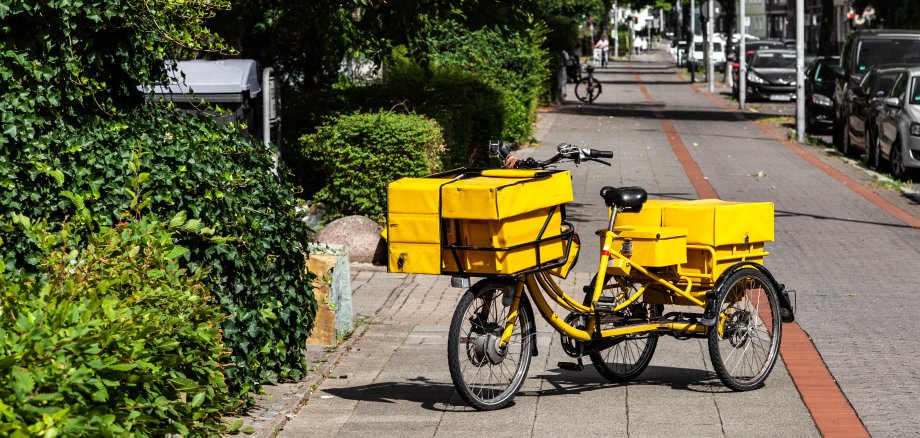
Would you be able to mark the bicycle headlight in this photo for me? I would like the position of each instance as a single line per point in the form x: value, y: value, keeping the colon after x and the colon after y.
x: 820, y: 99
x: 915, y: 129
x: 755, y: 78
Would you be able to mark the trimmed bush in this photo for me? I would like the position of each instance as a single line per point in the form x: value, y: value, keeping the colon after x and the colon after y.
x: 361, y: 153
x: 111, y: 337
x: 161, y: 161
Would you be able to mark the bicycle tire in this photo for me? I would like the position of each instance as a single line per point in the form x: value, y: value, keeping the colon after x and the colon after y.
x: 471, y: 348
x: 747, y: 334
x: 627, y: 359
x: 586, y: 93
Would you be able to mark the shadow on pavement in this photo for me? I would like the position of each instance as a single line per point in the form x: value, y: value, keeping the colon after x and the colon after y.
x: 569, y: 382
x: 438, y: 396
x: 782, y: 214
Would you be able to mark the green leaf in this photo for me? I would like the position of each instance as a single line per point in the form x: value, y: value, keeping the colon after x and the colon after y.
x: 176, y: 252
x: 198, y: 399
x: 178, y: 220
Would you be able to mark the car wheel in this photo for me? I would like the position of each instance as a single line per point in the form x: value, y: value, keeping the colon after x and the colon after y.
x: 838, y: 132
x: 846, y: 146
x: 873, y: 157
x: 898, y: 169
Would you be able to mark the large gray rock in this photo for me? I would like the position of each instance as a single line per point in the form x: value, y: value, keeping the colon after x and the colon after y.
x: 360, y: 234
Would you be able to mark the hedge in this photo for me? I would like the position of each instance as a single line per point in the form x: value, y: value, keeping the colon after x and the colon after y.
x: 161, y: 161
x: 362, y: 152
x: 111, y: 337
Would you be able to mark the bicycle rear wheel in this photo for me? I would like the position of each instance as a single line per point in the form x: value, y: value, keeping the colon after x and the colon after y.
x: 588, y: 90
x: 486, y: 375
x: 744, y: 343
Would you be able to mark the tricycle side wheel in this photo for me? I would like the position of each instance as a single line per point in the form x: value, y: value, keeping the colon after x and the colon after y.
x: 626, y: 359
x: 486, y: 375
x: 744, y: 342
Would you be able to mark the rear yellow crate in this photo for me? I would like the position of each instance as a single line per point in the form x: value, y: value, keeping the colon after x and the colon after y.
x: 489, y: 209
x: 705, y: 263
x: 653, y: 246
x: 714, y: 222
x: 720, y: 234
x: 649, y: 216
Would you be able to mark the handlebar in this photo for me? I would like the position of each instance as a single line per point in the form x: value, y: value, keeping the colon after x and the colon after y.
x: 565, y: 152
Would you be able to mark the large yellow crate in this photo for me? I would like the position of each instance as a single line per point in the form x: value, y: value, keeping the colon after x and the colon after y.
x: 504, y: 233
x: 500, y: 194
x: 714, y: 222
x: 719, y: 233
x: 653, y: 246
x: 486, y: 209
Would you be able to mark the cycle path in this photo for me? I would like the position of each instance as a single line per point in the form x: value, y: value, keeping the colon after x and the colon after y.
x: 852, y: 261
x: 394, y: 380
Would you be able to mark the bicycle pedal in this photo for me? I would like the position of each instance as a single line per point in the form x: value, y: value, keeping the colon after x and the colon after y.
x: 571, y: 366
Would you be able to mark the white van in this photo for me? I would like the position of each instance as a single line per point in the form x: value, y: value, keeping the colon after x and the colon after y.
x: 718, y: 51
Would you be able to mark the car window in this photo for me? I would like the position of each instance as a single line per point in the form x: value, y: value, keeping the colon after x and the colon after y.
x: 866, y: 82
x: 822, y: 72
x: 773, y: 60
x: 894, y: 51
x: 883, y: 84
x: 899, y: 86
x: 915, y: 91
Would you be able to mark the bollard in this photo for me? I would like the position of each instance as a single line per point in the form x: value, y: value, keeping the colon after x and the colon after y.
x: 332, y: 290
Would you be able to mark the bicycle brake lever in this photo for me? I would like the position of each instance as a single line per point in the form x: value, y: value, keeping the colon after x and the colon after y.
x: 599, y: 161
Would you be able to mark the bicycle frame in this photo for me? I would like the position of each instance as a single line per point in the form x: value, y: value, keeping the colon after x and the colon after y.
x: 539, y: 283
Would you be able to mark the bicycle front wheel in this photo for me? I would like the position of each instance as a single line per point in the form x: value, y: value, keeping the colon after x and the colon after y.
x: 588, y: 90
x: 744, y: 343
x: 486, y: 375
x: 629, y: 355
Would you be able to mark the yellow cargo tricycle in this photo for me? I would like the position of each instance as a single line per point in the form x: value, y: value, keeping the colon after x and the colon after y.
x: 509, y: 227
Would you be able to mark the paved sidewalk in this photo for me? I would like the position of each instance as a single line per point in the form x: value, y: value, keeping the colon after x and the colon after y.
x: 394, y: 380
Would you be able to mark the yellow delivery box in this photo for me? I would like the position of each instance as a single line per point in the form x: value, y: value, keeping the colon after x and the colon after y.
x: 477, y: 222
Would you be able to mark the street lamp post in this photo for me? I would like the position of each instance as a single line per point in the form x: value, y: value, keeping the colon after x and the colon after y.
x: 742, y: 68
x: 800, y: 70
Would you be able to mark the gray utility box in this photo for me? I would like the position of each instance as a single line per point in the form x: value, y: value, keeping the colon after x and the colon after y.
x: 233, y: 85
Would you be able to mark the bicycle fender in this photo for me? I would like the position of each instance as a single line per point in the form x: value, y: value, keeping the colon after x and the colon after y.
x: 787, y: 313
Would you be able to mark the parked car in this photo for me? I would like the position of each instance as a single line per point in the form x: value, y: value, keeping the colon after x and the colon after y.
x: 898, y: 126
x: 771, y: 75
x: 819, y: 87
x: 750, y: 47
x: 863, y: 103
x: 861, y: 51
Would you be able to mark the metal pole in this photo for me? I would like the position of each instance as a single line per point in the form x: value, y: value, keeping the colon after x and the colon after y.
x: 692, y: 61
x: 616, y: 30
x: 800, y: 70
x: 742, y: 68
x: 692, y: 25
x: 710, y: 25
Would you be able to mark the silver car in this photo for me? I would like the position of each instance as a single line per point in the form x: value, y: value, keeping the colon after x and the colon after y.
x: 898, y: 126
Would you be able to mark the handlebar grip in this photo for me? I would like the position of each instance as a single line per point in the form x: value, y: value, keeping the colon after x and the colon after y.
x: 601, y: 154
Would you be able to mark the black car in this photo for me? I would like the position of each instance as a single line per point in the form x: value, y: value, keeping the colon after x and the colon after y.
x: 863, y: 104
x: 863, y: 50
x: 819, y: 87
x: 771, y: 75
x: 750, y: 47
